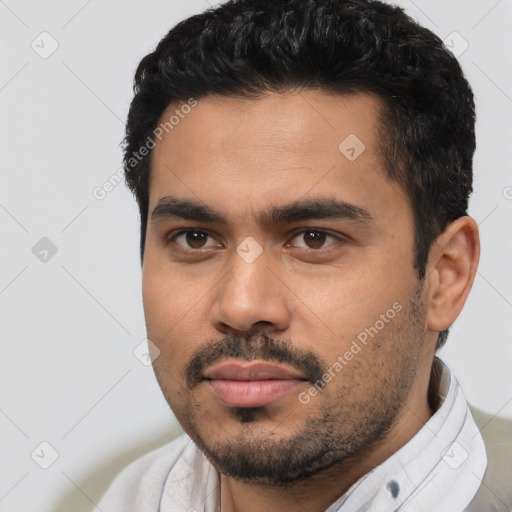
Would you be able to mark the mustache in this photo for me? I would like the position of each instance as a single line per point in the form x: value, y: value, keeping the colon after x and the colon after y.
x: 261, y: 347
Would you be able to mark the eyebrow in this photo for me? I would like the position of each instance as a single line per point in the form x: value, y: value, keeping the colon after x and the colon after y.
x: 171, y: 207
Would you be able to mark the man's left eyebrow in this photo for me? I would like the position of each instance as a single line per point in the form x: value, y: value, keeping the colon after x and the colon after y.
x: 321, y: 208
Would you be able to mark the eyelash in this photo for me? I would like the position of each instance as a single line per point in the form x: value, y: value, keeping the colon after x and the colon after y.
x: 339, y: 239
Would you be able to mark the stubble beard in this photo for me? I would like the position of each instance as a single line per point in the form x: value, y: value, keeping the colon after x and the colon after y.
x: 338, y: 435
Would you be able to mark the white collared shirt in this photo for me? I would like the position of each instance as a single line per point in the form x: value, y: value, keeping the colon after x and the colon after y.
x: 439, y: 470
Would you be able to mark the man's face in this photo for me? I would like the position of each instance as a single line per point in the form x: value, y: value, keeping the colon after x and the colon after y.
x: 290, y: 331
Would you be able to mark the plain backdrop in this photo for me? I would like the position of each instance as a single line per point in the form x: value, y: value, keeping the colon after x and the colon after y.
x: 70, y: 295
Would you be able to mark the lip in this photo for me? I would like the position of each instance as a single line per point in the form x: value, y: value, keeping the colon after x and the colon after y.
x: 251, y: 383
x: 250, y: 370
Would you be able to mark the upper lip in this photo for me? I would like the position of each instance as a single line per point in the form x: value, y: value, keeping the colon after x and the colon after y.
x: 250, y: 370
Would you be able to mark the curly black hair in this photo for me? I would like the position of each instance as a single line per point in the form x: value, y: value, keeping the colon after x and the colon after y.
x: 246, y: 48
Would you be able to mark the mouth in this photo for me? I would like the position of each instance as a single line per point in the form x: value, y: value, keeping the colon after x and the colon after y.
x: 239, y: 383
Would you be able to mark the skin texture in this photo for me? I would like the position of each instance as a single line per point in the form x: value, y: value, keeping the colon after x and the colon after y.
x: 304, y: 298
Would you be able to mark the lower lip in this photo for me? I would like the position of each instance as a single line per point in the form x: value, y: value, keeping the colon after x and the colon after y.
x: 252, y: 393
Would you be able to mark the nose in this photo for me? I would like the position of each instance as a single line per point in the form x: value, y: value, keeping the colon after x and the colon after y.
x: 251, y: 297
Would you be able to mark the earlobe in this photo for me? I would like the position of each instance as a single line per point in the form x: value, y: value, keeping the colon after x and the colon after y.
x: 451, y: 270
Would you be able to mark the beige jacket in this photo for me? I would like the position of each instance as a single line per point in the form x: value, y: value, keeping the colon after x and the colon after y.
x: 495, y: 493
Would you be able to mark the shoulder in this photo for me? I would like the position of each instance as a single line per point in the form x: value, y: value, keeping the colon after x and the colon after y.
x: 140, y: 485
x: 495, y: 493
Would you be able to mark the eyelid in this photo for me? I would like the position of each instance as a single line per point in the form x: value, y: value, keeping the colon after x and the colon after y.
x: 170, y: 238
x: 339, y: 237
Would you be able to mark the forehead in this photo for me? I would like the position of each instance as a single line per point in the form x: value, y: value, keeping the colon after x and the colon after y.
x: 238, y: 154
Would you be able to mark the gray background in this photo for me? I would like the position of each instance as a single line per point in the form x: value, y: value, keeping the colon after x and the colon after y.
x: 70, y: 321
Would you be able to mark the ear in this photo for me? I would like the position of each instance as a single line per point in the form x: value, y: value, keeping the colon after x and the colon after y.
x: 451, y: 270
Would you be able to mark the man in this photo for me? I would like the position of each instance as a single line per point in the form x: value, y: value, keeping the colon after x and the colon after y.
x: 303, y: 170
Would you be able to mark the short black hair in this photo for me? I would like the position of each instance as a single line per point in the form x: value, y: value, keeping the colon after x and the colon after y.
x: 246, y: 48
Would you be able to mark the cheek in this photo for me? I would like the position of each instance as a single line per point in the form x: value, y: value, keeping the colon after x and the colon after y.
x: 166, y: 297
x: 162, y: 310
x: 174, y: 318
x: 157, y: 300
x: 351, y: 303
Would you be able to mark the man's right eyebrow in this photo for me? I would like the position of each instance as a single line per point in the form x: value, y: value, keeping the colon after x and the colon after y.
x: 169, y: 208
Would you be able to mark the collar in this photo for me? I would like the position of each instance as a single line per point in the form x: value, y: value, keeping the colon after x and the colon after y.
x: 440, y: 469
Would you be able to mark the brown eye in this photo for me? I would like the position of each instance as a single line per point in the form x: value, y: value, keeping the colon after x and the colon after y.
x: 313, y: 239
x: 196, y: 240
x: 191, y: 239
